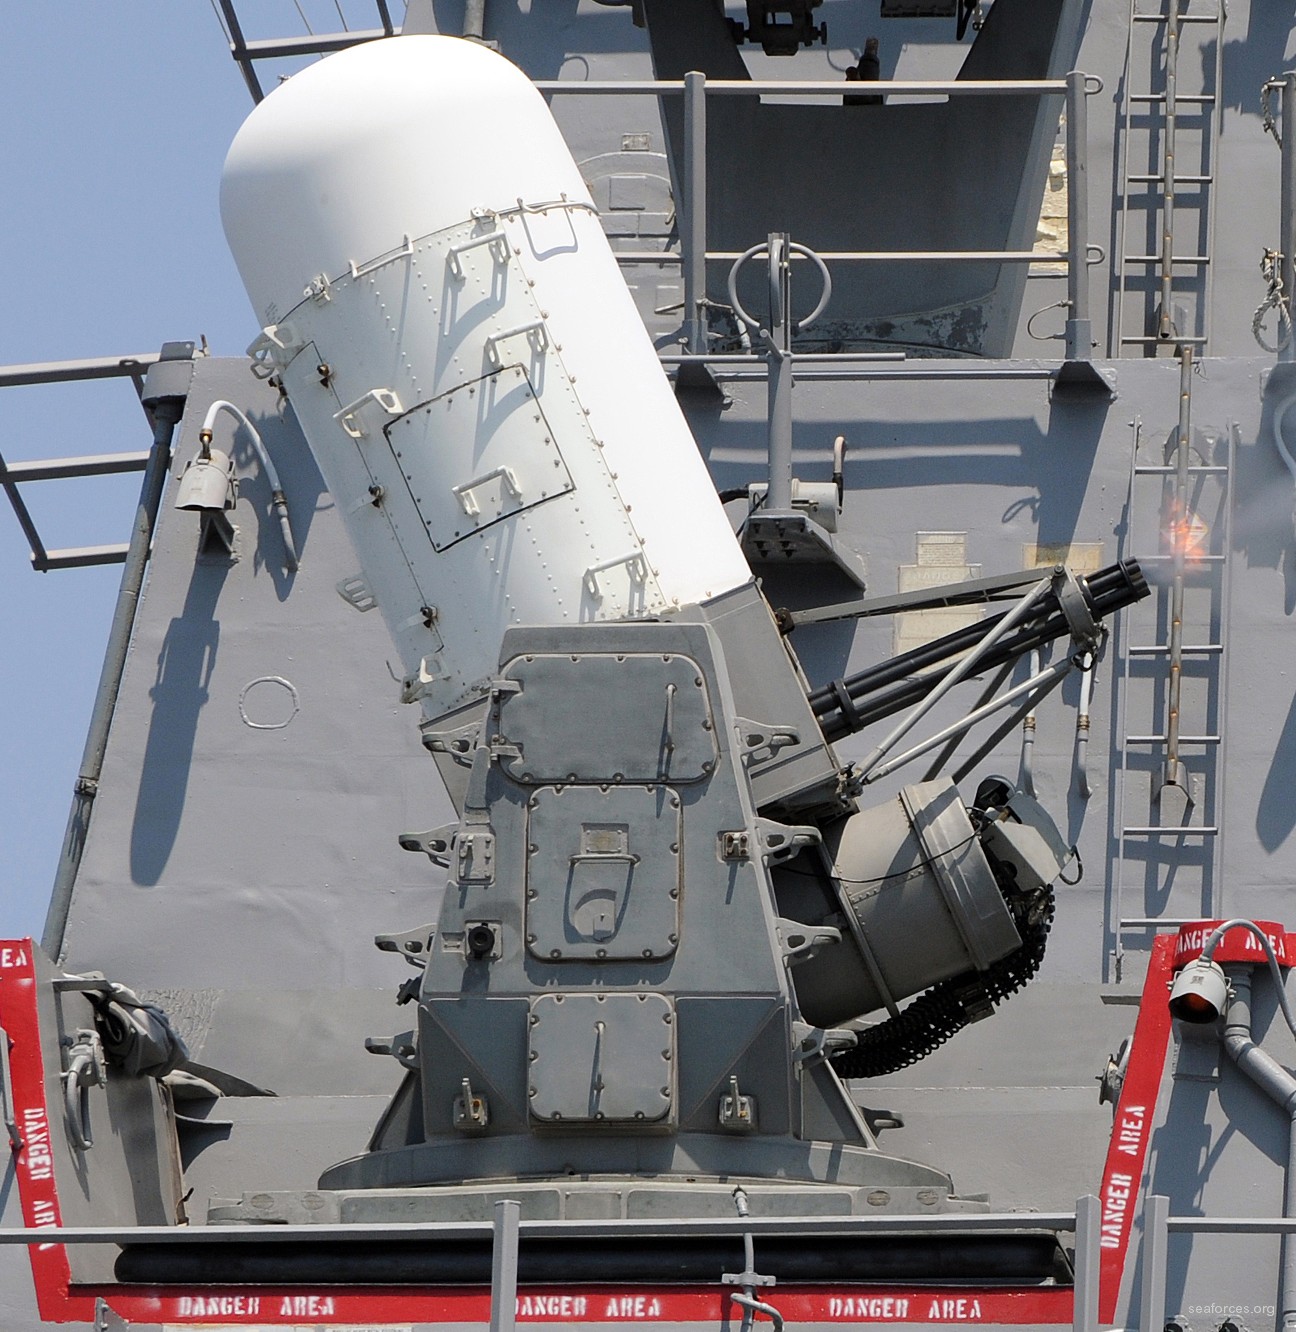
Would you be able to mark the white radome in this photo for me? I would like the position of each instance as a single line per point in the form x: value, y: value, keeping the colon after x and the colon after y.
x: 468, y: 367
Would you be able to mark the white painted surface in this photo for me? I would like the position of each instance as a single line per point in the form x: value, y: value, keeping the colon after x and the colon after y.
x: 533, y: 462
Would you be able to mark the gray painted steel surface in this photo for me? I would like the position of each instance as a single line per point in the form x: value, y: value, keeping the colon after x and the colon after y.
x: 243, y: 848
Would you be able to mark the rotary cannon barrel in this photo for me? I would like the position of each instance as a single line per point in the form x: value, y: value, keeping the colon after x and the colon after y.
x: 849, y: 705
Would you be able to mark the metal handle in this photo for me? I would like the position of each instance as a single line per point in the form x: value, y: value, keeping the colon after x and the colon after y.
x: 824, y: 296
x: 464, y: 493
x: 495, y: 239
x: 636, y: 567
x: 6, y: 1095
x: 348, y: 416
x: 405, y: 252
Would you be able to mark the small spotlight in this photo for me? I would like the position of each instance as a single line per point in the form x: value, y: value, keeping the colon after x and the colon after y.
x: 1199, y: 993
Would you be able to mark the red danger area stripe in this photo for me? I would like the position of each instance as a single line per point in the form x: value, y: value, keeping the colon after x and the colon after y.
x: 607, y: 1306
x: 1122, y: 1181
x: 58, y: 1301
x: 34, y: 1161
x: 1238, y: 945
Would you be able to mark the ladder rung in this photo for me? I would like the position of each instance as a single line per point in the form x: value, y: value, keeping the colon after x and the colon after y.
x: 1150, y: 179
x: 1162, y: 649
x: 1196, y: 99
x: 1170, y: 830
x: 1162, y: 740
x: 1152, y: 922
x: 1151, y: 338
x: 1191, y: 559
x: 1174, y: 258
x: 1169, y: 469
x: 1183, y: 18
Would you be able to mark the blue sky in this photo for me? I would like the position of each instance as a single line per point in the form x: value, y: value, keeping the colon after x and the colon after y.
x: 116, y: 122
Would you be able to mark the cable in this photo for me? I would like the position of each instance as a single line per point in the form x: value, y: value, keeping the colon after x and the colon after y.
x: 882, y: 878
x: 278, y: 500
x: 1218, y: 933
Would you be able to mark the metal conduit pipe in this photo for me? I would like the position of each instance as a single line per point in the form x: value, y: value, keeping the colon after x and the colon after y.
x: 1280, y: 1086
x: 166, y: 412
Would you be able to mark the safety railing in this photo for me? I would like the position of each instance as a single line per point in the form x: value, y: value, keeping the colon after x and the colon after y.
x: 247, y: 53
x: 693, y: 254
x: 15, y: 474
x: 508, y: 1231
x: 1159, y: 1225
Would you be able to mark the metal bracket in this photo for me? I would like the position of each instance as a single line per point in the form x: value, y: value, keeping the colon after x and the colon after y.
x: 403, y: 1048
x: 419, y: 685
x: 436, y: 844
x: 737, y: 1112
x: 814, y: 1044
x: 413, y: 945
x: 799, y: 943
x: 475, y: 857
x: 757, y: 737
x: 273, y: 348
x: 735, y: 844
x: 782, y: 841
x: 1084, y: 628
x: 85, y: 1069
x: 471, y: 1112
x: 105, y: 1319
x: 319, y: 290
x: 459, y: 744
x: 356, y: 593
x: 348, y: 416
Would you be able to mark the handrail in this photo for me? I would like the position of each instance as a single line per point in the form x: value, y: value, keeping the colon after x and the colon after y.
x: 693, y: 255
x: 1158, y: 1224
x: 681, y: 1227
x: 506, y: 1229
x: 815, y: 87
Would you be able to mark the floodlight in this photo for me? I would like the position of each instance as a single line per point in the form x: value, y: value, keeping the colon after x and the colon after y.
x: 1200, y: 992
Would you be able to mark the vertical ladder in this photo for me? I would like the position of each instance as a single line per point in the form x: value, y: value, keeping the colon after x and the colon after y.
x: 1171, y: 775
x: 1150, y: 281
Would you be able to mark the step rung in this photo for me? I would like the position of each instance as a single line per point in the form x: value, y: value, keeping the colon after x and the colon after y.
x: 1147, y: 178
x: 1162, y: 740
x: 1169, y: 469
x: 1148, y: 340
x: 1170, y: 830
x: 1153, y: 922
x: 1196, y: 99
x: 1183, y: 18
x: 1174, y: 259
x: 1162, y: 649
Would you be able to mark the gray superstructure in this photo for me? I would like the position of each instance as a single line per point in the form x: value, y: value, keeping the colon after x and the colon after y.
x: 264, y: 806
